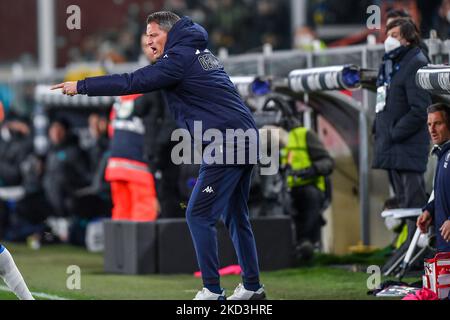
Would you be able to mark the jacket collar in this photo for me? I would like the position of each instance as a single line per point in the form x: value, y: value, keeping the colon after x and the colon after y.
x: 397, y: 54
x: 392, y: 62
x: 440, y: 150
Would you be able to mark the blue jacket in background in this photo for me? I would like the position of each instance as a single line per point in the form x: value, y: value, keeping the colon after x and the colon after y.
x: 439, y: 207
x: 194, y: 81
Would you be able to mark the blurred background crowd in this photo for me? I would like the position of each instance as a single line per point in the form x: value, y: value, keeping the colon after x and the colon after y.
x: 240, y: 26
x: 234, y: 26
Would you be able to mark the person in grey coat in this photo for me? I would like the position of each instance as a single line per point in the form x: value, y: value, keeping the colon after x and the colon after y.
x: 400, y: 131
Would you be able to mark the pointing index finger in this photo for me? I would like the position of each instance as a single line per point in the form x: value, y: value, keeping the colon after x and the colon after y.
x: 57, y: 86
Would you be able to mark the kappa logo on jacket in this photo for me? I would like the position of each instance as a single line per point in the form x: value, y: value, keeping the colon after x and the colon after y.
x: 208, y: 189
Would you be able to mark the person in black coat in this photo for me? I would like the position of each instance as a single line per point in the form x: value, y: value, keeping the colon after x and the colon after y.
x: 400, y: 131
x: 66, y: 168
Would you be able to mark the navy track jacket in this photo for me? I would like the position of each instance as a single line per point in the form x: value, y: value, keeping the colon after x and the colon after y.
x: 195, y: 84
x: 439, y: 207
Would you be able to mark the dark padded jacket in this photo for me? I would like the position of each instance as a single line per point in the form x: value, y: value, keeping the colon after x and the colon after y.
x: 65, y: 172
x: 401, y: 137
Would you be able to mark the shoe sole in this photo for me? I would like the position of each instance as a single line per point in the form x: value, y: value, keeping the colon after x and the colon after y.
x: 258, y: 296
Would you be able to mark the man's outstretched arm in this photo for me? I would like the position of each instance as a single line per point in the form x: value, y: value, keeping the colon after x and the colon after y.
x: 165, y: 73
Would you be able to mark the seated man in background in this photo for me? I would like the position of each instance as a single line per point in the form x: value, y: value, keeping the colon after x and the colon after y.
x: 438, y: 208
x: 65, y: 169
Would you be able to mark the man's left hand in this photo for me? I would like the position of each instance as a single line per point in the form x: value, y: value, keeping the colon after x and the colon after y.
x: 68, y: 88
x: 445, y: 230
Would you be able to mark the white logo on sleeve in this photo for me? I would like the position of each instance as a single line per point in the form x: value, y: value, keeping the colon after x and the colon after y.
x: 208, y: 189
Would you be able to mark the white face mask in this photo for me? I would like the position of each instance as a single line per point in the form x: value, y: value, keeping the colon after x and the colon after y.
x: 391, y: 44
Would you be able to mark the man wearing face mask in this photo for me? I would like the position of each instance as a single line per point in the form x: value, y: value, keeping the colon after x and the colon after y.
x: 401, y: 140
x: 394, y: 14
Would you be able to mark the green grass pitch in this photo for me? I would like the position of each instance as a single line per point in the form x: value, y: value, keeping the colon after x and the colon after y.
x: 45, y: 271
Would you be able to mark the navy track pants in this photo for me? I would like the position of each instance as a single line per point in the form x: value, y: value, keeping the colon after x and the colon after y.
x: 222, y: 192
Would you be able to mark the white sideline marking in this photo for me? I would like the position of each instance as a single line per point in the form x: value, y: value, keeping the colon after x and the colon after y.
x: 37, y: 294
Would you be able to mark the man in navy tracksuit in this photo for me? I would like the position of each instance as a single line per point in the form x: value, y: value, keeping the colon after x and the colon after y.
x: 197, y: 89
x: 438, y: 208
